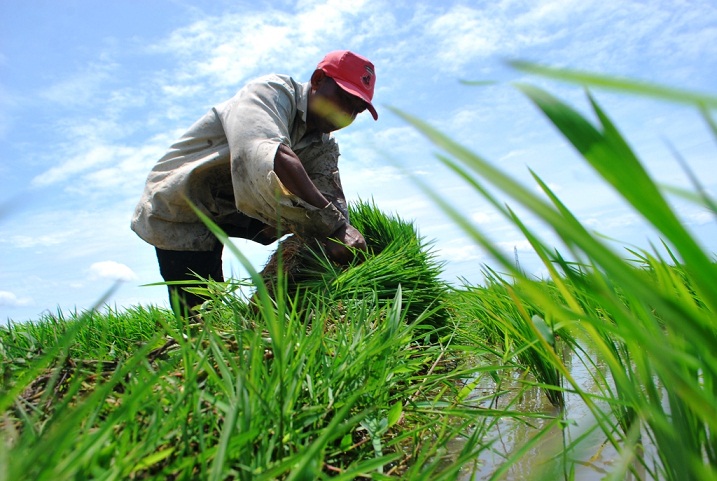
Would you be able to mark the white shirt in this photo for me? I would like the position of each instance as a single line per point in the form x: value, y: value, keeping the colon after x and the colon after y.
x: 224, y: 164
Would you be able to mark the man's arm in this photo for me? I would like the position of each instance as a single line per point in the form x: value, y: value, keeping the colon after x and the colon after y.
x: 292, y: 174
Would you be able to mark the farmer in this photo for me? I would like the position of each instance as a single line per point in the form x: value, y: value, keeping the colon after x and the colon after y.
x: 260, y: 165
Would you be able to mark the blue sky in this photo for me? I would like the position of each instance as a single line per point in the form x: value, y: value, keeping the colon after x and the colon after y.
x: 92, y: 93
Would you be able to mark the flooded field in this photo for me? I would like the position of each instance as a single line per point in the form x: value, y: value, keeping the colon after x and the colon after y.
x: 534, y: 437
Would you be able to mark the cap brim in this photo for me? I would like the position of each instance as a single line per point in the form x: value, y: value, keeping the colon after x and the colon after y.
x: 348, y: 87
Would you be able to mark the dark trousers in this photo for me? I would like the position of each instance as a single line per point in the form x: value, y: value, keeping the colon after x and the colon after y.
x: 189, y: 266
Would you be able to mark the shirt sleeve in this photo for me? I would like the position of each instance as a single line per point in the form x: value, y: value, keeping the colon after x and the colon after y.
x: 256, y: 121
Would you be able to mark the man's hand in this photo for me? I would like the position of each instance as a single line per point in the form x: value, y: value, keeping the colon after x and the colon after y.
x: 341, y: 244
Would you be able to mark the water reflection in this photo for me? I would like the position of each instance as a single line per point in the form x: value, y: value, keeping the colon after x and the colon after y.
x: 571, y: 440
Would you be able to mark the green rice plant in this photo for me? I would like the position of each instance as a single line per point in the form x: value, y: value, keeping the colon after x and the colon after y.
x: 326, y: 378
x: 347, y: 315
x: 515, y: 327
x: 397, y: 257
x: 656, y: 332
x: 49, y: 400
x: 109, y: 333
x: 257, y: 391
x: 229, y: 403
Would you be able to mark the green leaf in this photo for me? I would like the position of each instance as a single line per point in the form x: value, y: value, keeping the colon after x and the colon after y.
x: 618, y: 84
x: 394, y: 414
x: 152, y: 459
x: 347, y: 441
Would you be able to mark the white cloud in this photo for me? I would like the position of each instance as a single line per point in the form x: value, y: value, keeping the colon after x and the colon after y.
x: 520, y: 245
x: 129, y: 169
x: 486, y: 217
x: 227, y: 49
x: 9, y: 299
x: 582, y: 34
x: 111, y: 270
x: 700, y: 217
x: 181, y: 90
x: 80, y: 88
x: 43, y: 240
x: 378, y: 175
x: 550, y: 11
x: 465, y: 33
x: 612, y: 220
x: 460, y: 251
x: 397, y: 140
x: 71, y: 232
x: 95, y: 156
x: 104, y: 169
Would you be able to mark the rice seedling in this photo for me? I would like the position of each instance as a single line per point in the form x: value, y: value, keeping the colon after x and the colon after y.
x: 382, y: 371
x: 510, y: 324
x: 397, y: 257
x: 263, y: 390
x: 654, y: 328
x: 107, y: 334
x: 224, y: 404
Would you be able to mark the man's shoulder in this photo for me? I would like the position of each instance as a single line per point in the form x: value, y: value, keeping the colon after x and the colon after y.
x: 272, y: 88
x: 275, y: 81
x: 265, y: 90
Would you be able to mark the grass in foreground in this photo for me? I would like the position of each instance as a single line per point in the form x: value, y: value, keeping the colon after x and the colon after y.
x: 334, y: 395
x: 654, y: 328
x: 319, y: 385
x: 339, y: 385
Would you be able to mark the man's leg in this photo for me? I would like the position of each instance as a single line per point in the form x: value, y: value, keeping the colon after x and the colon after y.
x: 186, y: 266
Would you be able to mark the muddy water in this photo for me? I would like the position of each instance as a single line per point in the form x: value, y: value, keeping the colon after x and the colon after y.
x: 591, y: 462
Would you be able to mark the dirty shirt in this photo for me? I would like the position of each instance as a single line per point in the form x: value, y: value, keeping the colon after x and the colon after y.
x: 224, y: 165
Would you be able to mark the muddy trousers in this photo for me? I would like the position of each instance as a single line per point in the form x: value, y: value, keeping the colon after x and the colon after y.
x: 189, y: 266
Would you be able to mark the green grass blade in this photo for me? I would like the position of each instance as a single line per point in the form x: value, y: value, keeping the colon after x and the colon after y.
x: 618, y: 84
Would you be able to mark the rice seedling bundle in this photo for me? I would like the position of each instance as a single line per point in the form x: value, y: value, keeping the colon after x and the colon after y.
x: 397, y: 256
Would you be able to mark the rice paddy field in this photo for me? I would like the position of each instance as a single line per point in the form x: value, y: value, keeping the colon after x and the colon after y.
x: 605, y: 369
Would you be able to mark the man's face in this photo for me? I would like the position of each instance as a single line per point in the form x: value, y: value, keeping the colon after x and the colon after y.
x: 331, y: 107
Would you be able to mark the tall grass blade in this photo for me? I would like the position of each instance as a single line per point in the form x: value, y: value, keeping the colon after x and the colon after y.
x: 618, y: 84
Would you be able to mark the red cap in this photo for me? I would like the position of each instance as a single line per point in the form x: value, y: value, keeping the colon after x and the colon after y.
x: 354, y: 73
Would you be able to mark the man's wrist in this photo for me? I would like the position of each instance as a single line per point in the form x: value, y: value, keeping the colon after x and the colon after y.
x: 335, y: 234
x: 327, y: 221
